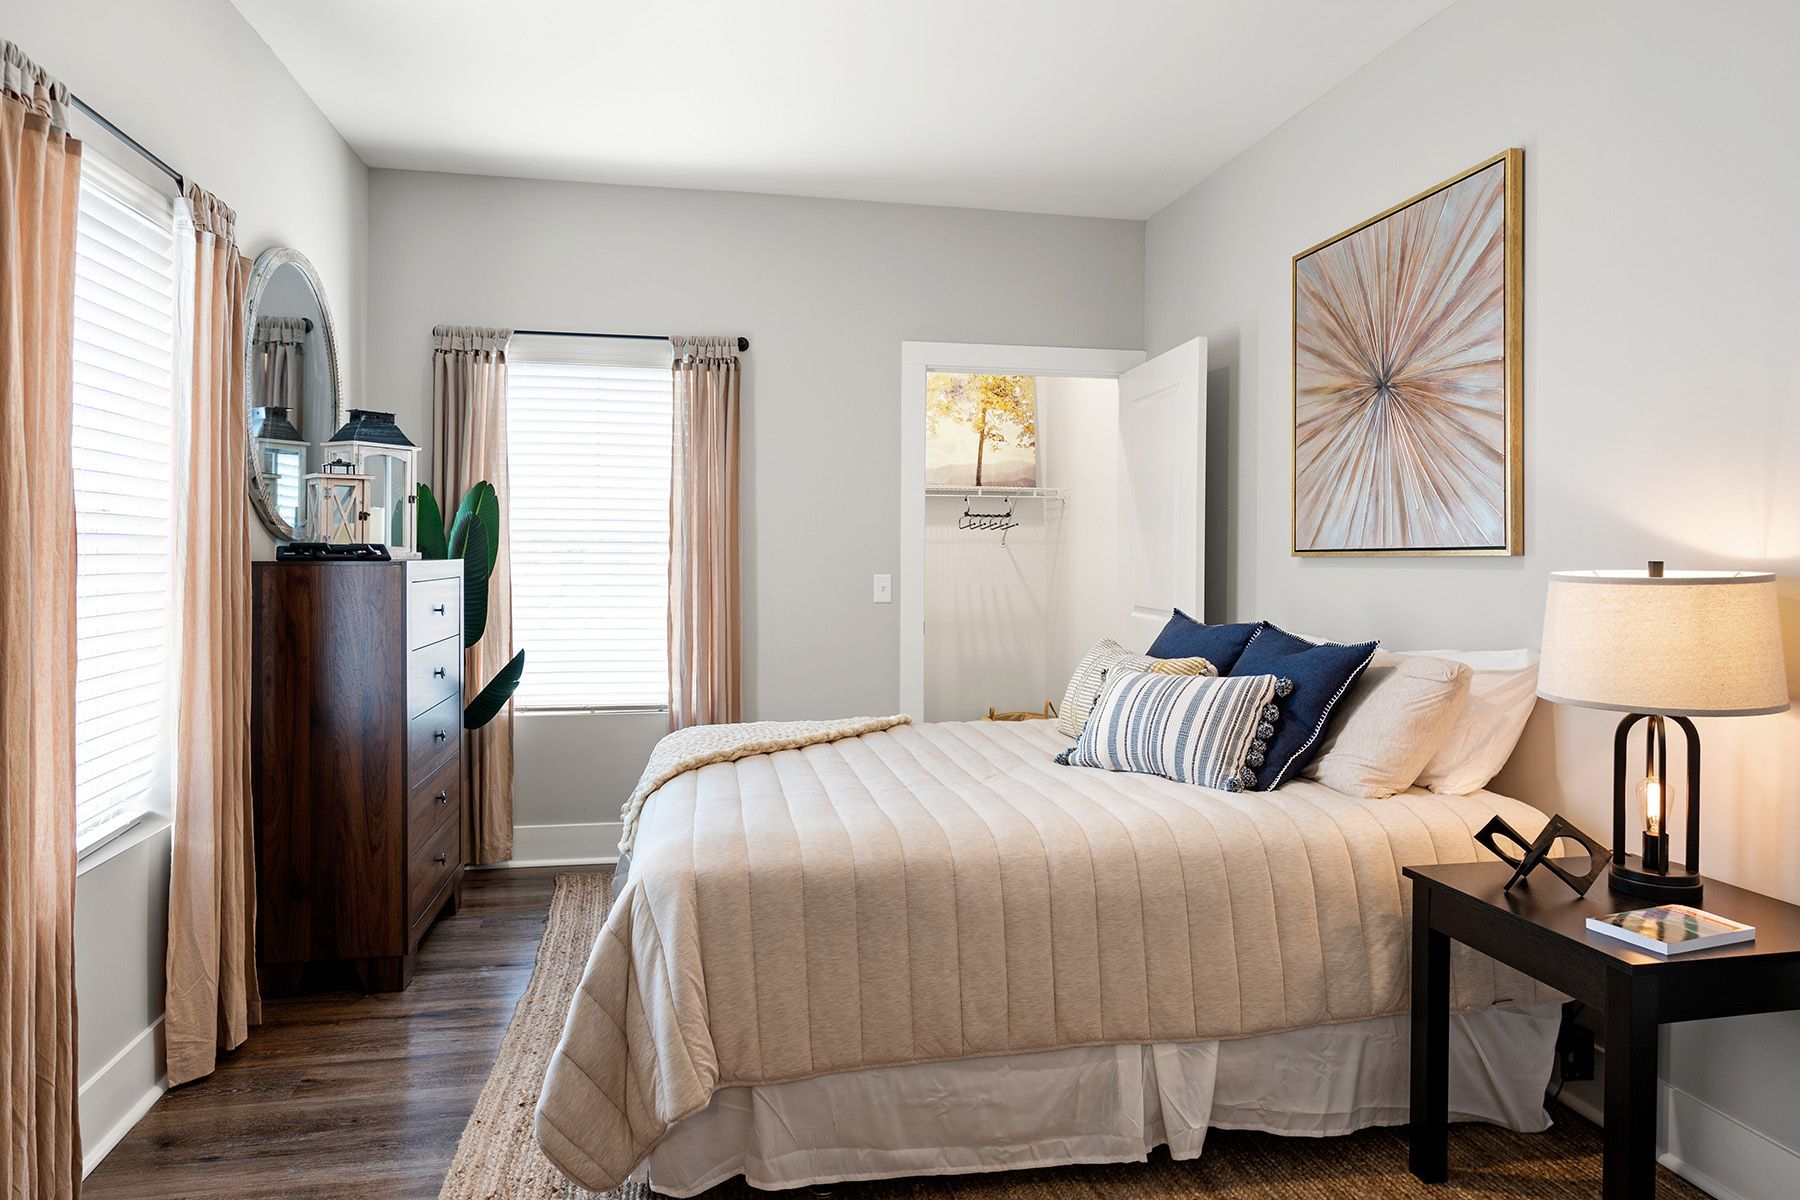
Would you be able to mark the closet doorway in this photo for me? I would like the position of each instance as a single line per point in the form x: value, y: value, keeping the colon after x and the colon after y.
x: 1050, y: 496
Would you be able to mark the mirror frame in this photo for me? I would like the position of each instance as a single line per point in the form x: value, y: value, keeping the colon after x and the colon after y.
x: 267, y: 263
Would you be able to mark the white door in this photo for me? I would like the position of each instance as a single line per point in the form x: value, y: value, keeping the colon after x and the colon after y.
x: 1162, y: 518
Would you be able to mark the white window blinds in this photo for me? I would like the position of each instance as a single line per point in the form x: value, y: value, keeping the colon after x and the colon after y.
x: 125, y: 338
x: 588, y: 446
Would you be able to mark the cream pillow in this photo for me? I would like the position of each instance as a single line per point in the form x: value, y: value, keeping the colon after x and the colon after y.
x: 1091, y: 672
x: 1502, y: 693
x: 1391, y: 724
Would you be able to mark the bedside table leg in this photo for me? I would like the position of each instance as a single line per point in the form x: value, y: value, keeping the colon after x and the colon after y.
x: 1429, y: 1155
x: 1630, y: 1135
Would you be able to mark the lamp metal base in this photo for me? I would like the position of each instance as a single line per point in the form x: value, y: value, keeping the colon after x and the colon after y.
x: 1673, y: 887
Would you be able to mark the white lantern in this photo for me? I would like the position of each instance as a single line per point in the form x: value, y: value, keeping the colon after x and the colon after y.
x: 375, y: 448
x: 337, y: 504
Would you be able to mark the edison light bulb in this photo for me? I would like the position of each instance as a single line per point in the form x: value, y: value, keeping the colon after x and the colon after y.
x: 1650, y: 800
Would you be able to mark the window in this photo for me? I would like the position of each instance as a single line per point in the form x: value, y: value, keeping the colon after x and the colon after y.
x: 126, y: 289
x: 588, y: 426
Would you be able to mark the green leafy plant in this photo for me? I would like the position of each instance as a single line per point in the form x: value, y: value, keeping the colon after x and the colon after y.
x: 474, y: 537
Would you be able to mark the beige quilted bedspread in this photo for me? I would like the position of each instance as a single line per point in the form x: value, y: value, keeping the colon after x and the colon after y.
x: 947, y: 891
x: 702, y: 745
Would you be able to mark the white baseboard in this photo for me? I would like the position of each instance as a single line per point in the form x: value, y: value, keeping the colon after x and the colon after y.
x: 1719, y: 1153
x: 1712, y: 1150
x: 593, y: 844
x: 117, y: 1096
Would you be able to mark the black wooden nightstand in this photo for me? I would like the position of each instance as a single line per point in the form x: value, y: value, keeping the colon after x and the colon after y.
x: 1541, y: 930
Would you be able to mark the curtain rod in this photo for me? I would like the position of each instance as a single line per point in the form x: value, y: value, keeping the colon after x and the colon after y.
x: 743, y: 343
x: 78, y: 103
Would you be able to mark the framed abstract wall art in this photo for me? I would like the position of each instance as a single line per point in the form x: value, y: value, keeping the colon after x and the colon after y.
x: 1409, y: 375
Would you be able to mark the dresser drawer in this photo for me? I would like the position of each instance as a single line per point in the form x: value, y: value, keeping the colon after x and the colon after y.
x: 434, y: 801
x: 433, y: 674
x: 431, y: 865
x: 433, y: 611
x: 433, y: 736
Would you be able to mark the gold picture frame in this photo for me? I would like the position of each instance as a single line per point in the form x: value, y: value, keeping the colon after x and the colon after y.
x: 1489, y: 524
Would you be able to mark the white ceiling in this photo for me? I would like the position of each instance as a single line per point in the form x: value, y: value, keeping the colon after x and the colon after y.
x: 1064, y: 106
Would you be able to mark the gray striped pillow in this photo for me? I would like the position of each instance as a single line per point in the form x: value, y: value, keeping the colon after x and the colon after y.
x: 1207, y: 730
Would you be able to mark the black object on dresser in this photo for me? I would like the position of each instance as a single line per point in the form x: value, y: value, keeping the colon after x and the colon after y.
x: 1545, y: 935
x: 356, y: 764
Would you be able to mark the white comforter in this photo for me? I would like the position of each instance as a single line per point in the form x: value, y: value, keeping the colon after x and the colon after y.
x: 937, y: 892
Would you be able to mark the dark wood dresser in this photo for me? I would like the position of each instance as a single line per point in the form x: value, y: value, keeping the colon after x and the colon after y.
x: 356, y: 765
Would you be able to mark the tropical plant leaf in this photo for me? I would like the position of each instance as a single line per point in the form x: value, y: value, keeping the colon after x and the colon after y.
x: 487, y: 507
x: 459, y: 533
x: 430, y: 521
x: 465, y: 512
x: 476, y: 563
x: 482, y: 502
x: 491, y: 699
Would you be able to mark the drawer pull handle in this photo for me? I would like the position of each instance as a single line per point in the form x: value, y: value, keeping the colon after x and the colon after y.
x: 443, y: 797
x: 442, y: 857
x: 437, y: 609
x: 438, y: 674
x: 439, y: 735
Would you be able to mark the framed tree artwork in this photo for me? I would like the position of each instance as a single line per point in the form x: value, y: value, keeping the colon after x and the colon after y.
x: 980, y: 430
x: 1408, y: 375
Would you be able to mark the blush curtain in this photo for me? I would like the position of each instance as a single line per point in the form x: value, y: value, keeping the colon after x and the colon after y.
x: 705, y: 590
x: 40, y: 178
x: 468, y: 445
x: 212, y: 988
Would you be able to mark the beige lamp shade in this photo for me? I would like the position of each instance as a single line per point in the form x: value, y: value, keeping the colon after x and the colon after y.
x: 1684, y: 643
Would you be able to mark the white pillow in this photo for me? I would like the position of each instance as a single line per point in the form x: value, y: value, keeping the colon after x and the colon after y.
x: 1502, y: 693
x: 1399, y: 715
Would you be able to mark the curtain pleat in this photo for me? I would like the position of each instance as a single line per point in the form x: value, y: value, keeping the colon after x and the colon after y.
x: 40, y: 179
x: 281, y: 366
x: 468, y: 445
x: 705, y: 590
x: 212, y: 987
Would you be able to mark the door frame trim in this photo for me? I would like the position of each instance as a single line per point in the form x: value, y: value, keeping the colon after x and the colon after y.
x: 917, y: 359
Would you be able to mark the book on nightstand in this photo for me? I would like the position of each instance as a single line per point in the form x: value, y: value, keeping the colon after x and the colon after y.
x: 1672, y: 929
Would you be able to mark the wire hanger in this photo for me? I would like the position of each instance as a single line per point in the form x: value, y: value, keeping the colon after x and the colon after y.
x: 987, y: 522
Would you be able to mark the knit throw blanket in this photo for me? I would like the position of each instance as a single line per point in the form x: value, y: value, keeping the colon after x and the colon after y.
x: 701, y: 745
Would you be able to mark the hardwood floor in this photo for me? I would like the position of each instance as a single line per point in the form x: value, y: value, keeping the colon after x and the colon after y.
x: 344, y: 1094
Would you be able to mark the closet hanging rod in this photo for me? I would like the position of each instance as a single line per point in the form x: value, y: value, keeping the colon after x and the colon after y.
x: 93, y: 114
x: 743, y: 343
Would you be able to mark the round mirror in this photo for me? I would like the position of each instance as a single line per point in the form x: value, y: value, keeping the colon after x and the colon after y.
x: 290, y: 388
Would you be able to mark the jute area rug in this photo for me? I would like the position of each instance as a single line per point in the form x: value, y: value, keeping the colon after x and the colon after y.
x: 498, y: 1159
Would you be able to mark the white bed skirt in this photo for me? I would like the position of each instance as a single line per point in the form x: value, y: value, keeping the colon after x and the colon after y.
x: 1100, y: 1104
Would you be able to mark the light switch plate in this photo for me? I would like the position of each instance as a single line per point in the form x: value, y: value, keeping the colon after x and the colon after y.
x: 884, y: 589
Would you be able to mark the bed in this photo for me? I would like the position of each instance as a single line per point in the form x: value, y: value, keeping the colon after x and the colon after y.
x: 931, y: 949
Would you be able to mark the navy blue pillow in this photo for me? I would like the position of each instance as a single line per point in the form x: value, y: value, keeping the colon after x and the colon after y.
x: 1322, y: 675
x: 1220, y: 645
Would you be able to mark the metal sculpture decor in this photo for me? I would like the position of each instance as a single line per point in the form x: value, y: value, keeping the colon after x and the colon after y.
x: 1408, y: 370
x: 1536, y: 853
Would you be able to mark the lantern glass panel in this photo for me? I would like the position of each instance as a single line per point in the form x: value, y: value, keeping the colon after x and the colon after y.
x: 387, y: 491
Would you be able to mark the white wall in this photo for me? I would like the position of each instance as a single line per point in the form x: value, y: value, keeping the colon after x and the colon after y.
x: 826, y: 291
x: 987, y: 608
x: 1662, y: 400
x: 194, y: 83
x: 1081, y: 455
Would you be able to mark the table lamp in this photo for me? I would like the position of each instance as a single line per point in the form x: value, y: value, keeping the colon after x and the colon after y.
x: 1658, y: 644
